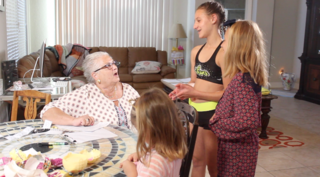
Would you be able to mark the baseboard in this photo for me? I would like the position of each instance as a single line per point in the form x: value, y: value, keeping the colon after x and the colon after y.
x: 279, y: 85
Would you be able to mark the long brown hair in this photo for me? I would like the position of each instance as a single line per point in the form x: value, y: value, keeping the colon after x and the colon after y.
x: 158, y: 124
x: 246, y: 52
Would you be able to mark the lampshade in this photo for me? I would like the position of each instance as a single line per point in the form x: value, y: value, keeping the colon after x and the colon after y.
x: 177, y: 31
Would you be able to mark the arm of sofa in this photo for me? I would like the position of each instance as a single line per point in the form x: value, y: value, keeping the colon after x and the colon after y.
x: 165, y: 70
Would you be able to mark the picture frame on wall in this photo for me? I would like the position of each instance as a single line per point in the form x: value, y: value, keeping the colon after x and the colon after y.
x: 2, y: 6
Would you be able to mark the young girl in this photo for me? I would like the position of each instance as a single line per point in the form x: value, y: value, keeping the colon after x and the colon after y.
x: 161, y: 144
x: 207, y: 68
x: 237, y: 115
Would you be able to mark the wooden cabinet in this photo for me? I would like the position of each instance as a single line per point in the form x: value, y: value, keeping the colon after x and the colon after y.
x: 309, y: 88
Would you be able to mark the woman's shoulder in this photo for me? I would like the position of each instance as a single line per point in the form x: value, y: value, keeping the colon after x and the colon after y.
x: 128, y: 89
x: 126, y: 86
x: 88, y: 87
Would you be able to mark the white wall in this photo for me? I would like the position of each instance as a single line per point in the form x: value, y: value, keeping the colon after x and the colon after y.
x: 3, y: 52
x: 41, y: 23
x: 264, y: 18
x: 299, y: 43
x: 180, y: 15
x: 285, y: 34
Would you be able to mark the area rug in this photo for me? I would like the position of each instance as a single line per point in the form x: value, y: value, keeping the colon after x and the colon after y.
x: 277, y: 139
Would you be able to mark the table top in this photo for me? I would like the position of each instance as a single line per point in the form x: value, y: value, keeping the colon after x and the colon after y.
x: 113, y: 150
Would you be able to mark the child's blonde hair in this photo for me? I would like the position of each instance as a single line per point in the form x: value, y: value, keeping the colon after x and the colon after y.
x: 158, y: 124
x: 246, y: 52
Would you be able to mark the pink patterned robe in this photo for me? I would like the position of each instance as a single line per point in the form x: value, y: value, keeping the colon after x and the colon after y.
x: 235, y: 123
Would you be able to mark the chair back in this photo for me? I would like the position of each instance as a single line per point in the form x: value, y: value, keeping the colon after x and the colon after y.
x: 31, y: 97
x: 188, y: 115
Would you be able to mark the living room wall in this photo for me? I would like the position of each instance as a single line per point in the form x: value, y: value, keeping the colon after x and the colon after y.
x: 288, y: 39
x: 3, y: 49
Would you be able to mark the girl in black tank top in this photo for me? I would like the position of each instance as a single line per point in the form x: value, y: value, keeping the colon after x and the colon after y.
x: 208, y: 18
x: 209, y: 70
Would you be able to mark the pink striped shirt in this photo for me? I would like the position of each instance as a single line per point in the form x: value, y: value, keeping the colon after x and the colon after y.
x: 159, y: 166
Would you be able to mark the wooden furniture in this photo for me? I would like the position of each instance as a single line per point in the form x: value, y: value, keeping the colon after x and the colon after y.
x: 31, y: 97
x: 265, y: 108
x: 309, y: 88
x: 188, y: 115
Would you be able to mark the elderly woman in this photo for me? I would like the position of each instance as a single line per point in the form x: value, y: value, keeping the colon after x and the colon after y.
x: 103, y: 99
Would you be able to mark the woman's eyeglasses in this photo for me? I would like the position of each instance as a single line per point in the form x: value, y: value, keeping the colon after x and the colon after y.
x: 109, y: 65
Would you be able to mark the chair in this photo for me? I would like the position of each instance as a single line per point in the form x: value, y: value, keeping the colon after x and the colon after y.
x: 31, y: 97
x: 188, y: 115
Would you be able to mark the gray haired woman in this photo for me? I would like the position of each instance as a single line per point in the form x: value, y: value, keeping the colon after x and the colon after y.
x: 103, y: 99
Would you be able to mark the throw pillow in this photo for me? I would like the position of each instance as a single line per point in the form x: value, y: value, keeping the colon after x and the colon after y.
x: 146, y: 67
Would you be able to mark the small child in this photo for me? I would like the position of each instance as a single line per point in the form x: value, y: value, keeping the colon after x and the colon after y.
x: 161, y: 144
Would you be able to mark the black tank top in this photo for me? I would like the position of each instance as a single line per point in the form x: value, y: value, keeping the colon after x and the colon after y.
x: 209, y: 70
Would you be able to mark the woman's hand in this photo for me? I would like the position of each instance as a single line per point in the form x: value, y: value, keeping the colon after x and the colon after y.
x: 212, y: 118
x: 84, y: 120
x: 182, y: 91
x: 129, y: 168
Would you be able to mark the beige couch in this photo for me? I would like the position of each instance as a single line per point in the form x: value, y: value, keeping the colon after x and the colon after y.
x: 128, y: 56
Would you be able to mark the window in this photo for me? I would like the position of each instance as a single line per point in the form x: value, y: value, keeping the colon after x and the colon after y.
x: 16, y: 29
x: 113, y: 23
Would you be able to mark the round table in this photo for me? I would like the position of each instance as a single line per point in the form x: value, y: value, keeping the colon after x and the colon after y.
x: 113, y: 150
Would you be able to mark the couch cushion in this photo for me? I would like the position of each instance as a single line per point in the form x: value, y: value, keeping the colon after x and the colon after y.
x: 118, y: 54
x: 53, y: 61
x: 94, y: 49
x: 148, y: 85
x: 136, y: 54
x: 167, y: 70
x: 57, y: 74
x: 81, y: 78
x: 125, y: 77
x: 145, y: 67
x: 146, y: 78
x: 162, y: 57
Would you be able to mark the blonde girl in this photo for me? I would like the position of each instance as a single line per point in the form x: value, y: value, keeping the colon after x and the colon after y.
x: 237, y: 115
x: 161, y: 144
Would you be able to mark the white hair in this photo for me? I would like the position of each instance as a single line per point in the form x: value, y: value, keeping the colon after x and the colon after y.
x: 90, y: 64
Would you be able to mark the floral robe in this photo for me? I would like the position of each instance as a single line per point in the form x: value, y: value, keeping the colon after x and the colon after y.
x: 235, y: 124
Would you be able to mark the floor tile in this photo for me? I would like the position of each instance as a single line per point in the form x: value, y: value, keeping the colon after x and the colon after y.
x: 316, y: 169
x: 273, y: 160
x: 306, y: 157
x: 296, y: 172
x: 259, y: 169
x: 263, y: 174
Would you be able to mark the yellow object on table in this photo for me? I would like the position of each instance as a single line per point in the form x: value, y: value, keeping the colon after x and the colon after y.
x: 18, y: 155
x: 92, y: 156
x: 265, y: 91
x: 74, y: 163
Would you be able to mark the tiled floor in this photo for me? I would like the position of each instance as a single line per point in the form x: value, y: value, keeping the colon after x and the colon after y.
x: 300, y: 120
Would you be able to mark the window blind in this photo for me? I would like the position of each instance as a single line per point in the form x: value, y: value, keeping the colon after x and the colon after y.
x: 16, y: 29
x: 113, y: 23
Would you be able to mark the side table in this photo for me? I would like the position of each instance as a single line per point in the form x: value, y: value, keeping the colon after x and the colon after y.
x: 265, y: 108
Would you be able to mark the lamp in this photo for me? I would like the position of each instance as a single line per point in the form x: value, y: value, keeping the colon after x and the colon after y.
x: 177, y: 32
